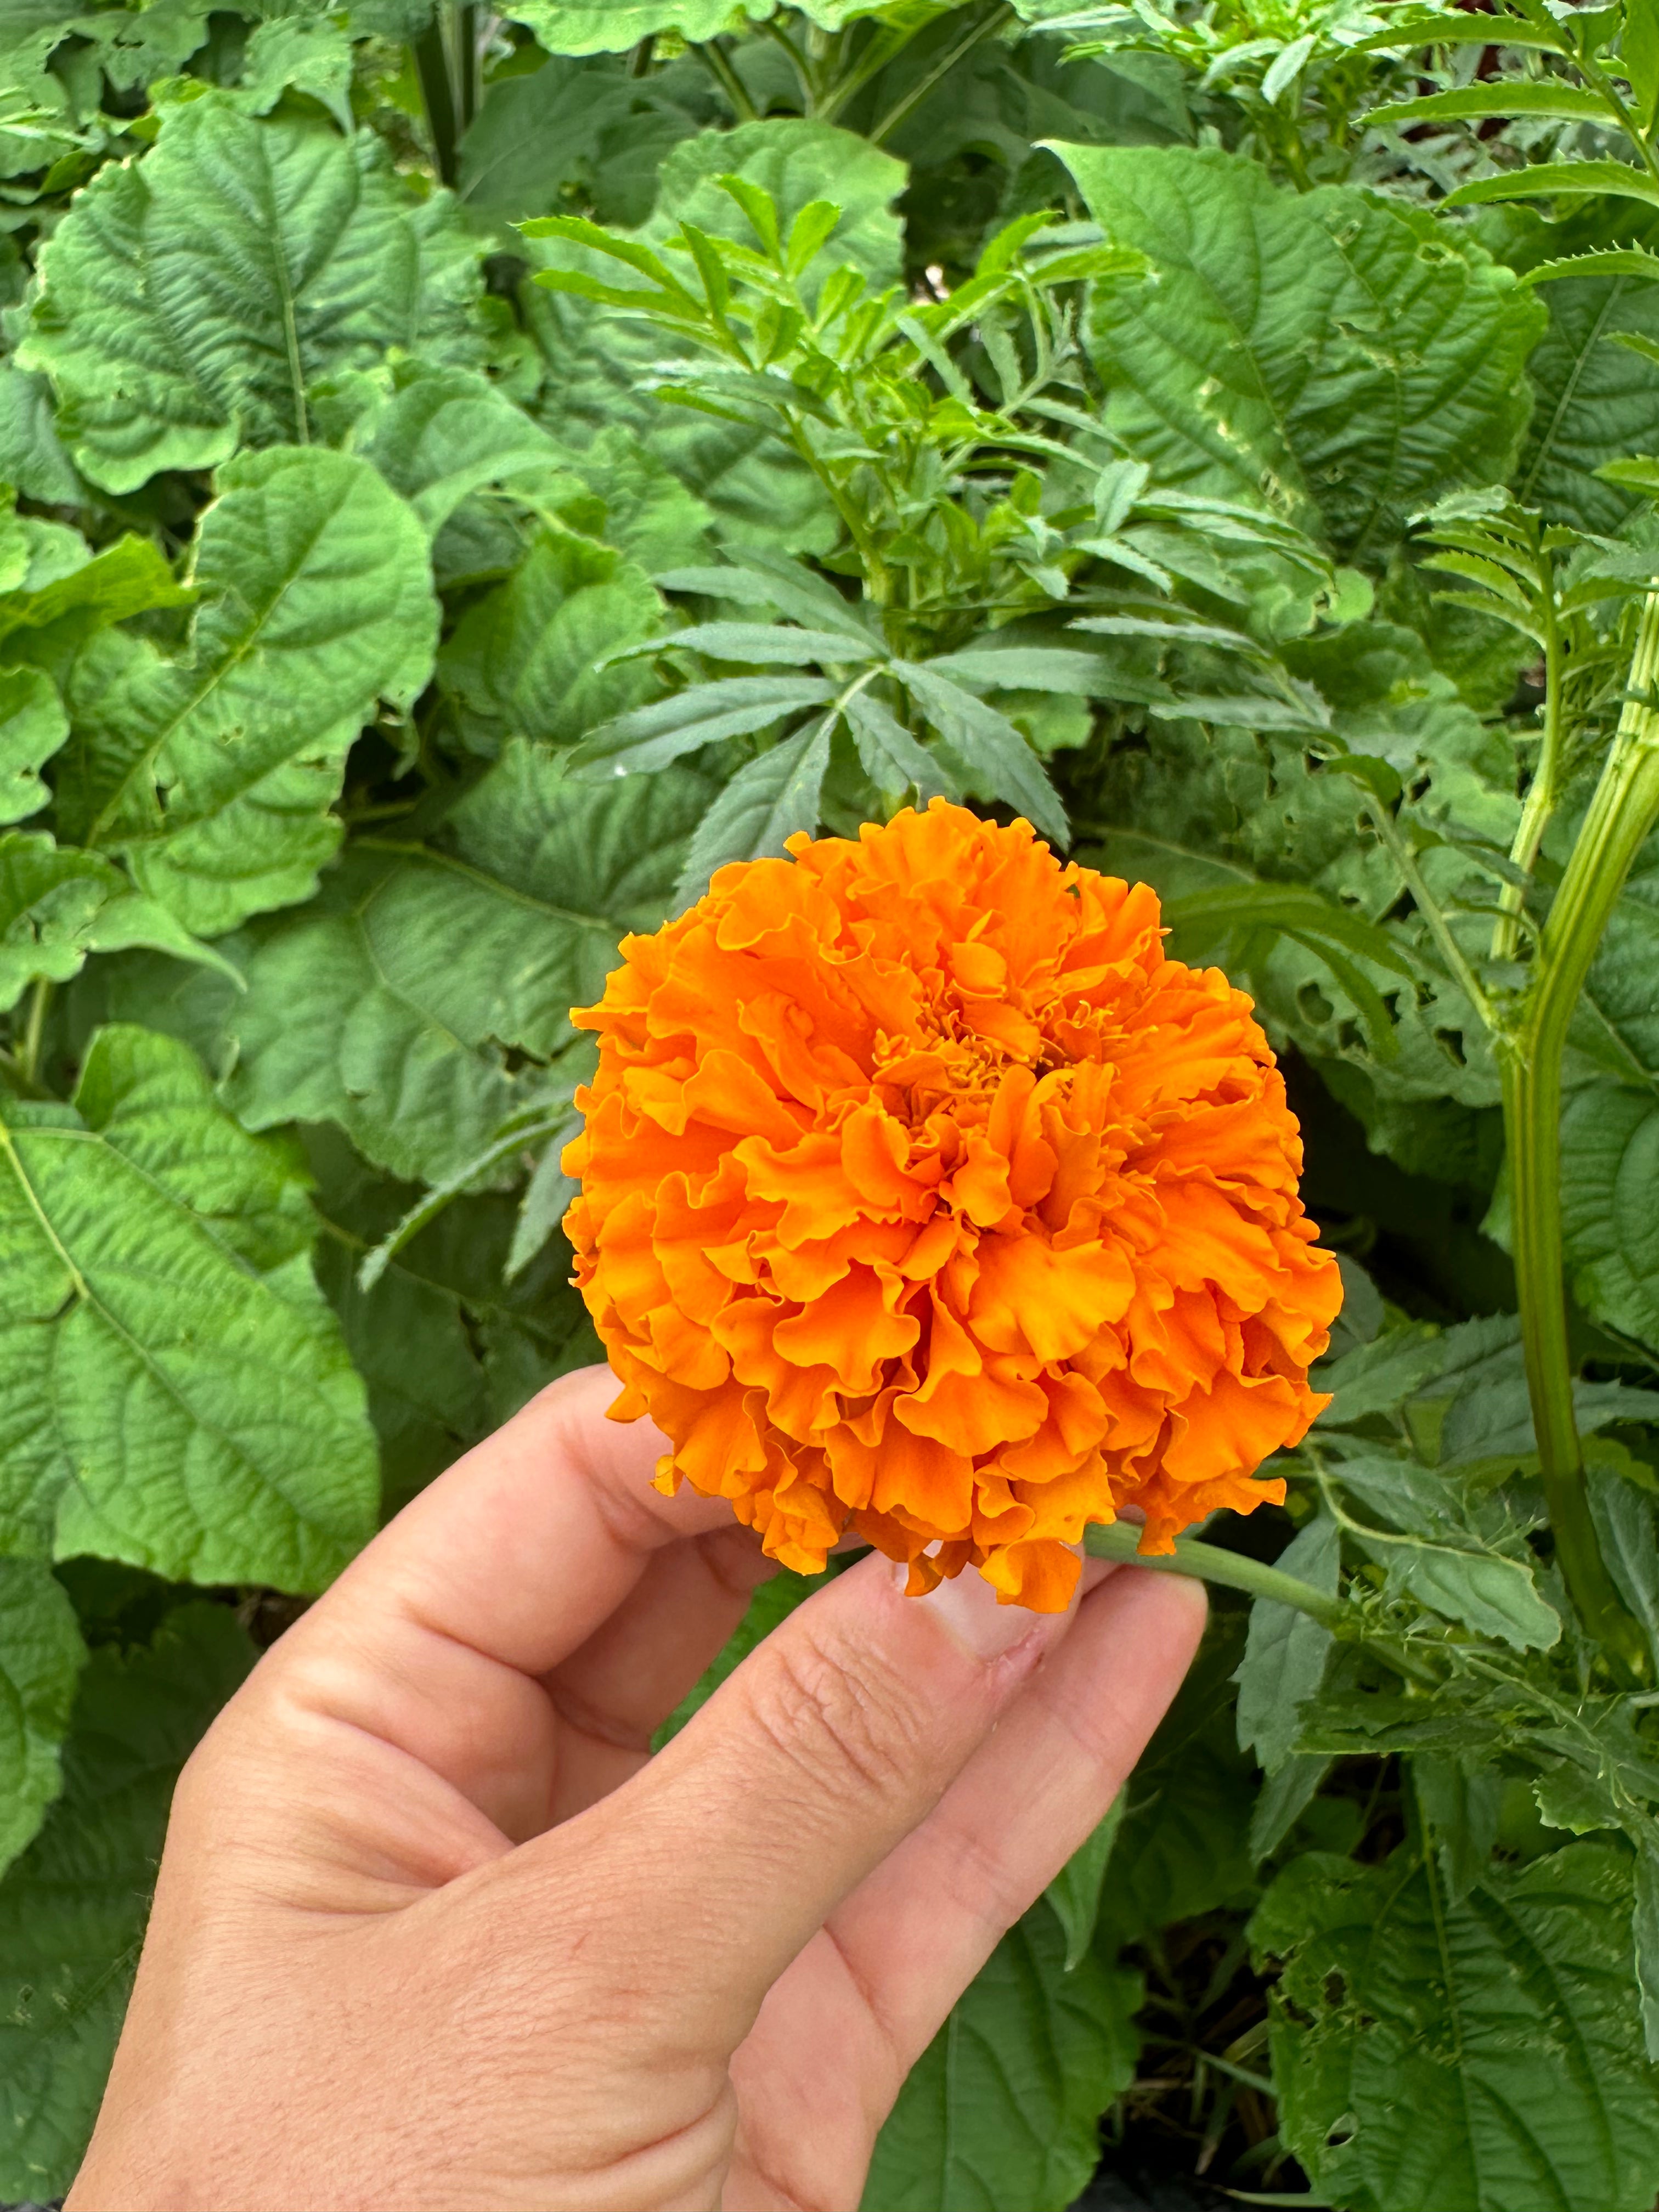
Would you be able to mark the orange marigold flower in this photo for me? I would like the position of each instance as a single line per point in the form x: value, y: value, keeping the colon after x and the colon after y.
x: 923, y: 1197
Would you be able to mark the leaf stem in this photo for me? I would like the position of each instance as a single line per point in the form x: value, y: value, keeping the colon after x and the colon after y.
x: 1429, y: 907
x: 919, y: 91
x: 1209, y: 1563
x: 714, y: 59
x: 28, y: 1056
x: 432, y: 66
x: 1621, y: 814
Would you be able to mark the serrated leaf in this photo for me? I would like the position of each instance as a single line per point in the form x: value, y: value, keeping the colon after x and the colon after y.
x: 735, y: 706
x: 213, y: 774
x: 1336, y: 357
x: 999, y: 762
x: 33, y: 726
x: 1624, y: 1524
x: 72, y: 1911
x: 1551, y: 180
x: 1020, y: 667
x: 891, y: 758
x: 766, y: 802
x: 1495, y: 1597
x: 447, y: 433
x: 1286, y: 1652
x: 57, y: 905
x: 189, y: 299
x: 388, y: 1006
x: 774, y: 644
x: 614, y: 26
x: 41, y: 1655
x: 173, y: 1391
x: 1003, y: 2108
x: 1075, y: 1892
x: 1552, y: 97
x: 1463, y: 2056
x: 524, y: 660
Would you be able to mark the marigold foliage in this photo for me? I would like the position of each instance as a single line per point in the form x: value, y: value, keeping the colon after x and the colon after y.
x: 924, y: 1197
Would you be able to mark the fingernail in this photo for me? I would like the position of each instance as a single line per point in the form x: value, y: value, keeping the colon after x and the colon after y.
x: 966, y: 1608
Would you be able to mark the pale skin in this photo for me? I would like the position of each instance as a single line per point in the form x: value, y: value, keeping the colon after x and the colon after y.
x: 433, y: 1930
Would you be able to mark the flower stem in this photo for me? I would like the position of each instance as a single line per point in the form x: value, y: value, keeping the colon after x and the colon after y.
x: 1208, y: 1562
x: 1621, y: 814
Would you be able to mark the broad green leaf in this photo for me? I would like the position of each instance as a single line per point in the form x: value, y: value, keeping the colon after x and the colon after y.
x: 523, y: 660
x: 446, y: 1349
x: 189, y: 299
x: 570, y: 123
x: 68, y: 592
x: 41, y: 1655
x: 33, y: 726
x: 778, y: 645
x: 1183, y: 1847
x: 1460, y: 1801
x: 1378, y: 1378
x: 1610, y: 1160
x: 57, y: 905
x: 766, y: 802
x: 1285, y: 1795
x: 1003, y: 2108
x: 1596, y: 400
x: 1286, y: 1652
x: 173, y: 1391
x: 1075, y: 1892
x: 614, y: 26
x: 447, y: 433
x: 389, y: 1005
x: 1341, y: 358
x: 72, y: 1911
x: 1624, y: 1523
x: 1468, y: 2055
x: 213, y: 774
x: 305, y: 53
x: 32, y: 454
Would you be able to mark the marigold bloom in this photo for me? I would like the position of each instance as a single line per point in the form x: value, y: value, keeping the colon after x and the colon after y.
x: 923, y: 1197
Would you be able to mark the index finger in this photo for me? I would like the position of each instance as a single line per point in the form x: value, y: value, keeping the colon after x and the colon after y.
x: 441, y: 1645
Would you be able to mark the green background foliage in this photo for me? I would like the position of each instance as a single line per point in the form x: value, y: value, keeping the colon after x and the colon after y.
x: 463, y: 478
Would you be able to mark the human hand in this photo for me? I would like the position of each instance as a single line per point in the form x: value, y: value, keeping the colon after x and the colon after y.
x: 432, y: 1928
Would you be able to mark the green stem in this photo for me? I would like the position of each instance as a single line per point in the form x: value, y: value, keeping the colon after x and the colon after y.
x: 919, y: 91
x: 713, y: 57
x: 432, y: 66
x: 1429, y: 907
x: 1622, y: 813
x: 1543, y: 793
x: 1208, y: 1562
x: 28, y: 1057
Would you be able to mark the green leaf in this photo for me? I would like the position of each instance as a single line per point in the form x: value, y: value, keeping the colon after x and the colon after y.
x: 1075, y: 1892
x: 1644, y: 1929
x: 189, y: 299
x: 1624, y: 1523
x: 1542, y: 179
x: 734, y: 706
x: 775, y: 644
x: 1003, y: 2108
x: 1552, y: 97
x: 448, y: 433
x: 892, y: 759
x: 1610, y: 1156
x: 997, y: 761
x: 1338, y: 358
x: 173, y: 1391
x: 1597, y: 401
x: 213, y: 774
x: 614, y: 26
x: 32, y: 454
x: 311, y: 54
x: 41, y: 1655
x: 1378, y: 1378
x: 1460, y: 1801
x: 1286, y: 1652
x: 765, y: 804
x: 1285, y: 1795
x: 33, y: 726
x: 1464, y: 2055
x: 57, y: 905
x: 389, y: 1003
x: 72, y: 1911
x: 524, y: 660
x: 1493, y: 1595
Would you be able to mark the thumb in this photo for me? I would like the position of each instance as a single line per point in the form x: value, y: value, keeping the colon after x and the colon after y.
x: 814, y: 1760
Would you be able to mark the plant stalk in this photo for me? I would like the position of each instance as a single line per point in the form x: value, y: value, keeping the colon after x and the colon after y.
x: 1209, y: 1563
x: 1622, y: 813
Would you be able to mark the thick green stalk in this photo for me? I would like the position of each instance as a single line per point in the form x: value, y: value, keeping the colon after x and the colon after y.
x: 1621, y: 814
x: 1543, y: 793
x: 1209, y: 1563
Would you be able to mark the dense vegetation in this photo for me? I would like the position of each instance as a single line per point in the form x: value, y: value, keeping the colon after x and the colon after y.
x: 471, y: 475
